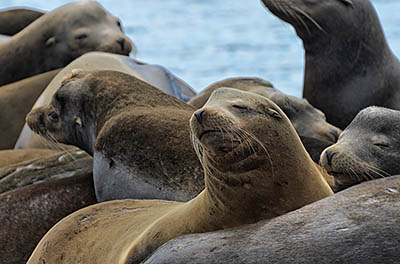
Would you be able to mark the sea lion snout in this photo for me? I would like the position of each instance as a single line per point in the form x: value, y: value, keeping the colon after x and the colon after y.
x: 34, y: 119
x: 199, y: 115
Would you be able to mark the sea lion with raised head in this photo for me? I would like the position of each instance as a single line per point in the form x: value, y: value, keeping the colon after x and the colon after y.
x: 58, y: 37
x: 358, y: 225
x: 348, y: 63
x: 16, y: 100
x: 13, y: 20
x: 137, y: 134
x: 155, y: 75
x: 255, y: 168
x: 307, y: 120
x: 368, y: 149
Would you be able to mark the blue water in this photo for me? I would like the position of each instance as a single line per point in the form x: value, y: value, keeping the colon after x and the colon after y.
x: 204, y: 41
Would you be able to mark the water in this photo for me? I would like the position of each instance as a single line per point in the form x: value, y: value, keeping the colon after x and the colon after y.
x: 204, y: 41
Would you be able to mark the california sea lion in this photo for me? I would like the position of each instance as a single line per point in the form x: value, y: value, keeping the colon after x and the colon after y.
x: 13, y: 20
x: 58, y: 37
x: 369, y: 148
x: 31, y: 166
x: 358, y: 225
x: 137, y: 134
x: 16, y: 100
x: 155, y: 75
x: 27, y: 213
x: 307, y: 120
x: 255, y: 168
x: 348, y: 63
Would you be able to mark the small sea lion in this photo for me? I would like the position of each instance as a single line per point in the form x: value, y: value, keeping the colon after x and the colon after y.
x: 16, y: 100
x: 369, y: 148
x: 307, y: 120
x: 348, y: 63
x: 27, y: 213
x: 155, y: 75
x: 13, y: 20
x: 255, y: 168
x: 58, y: 37
x: 137, y: 134
x: 358, y: 225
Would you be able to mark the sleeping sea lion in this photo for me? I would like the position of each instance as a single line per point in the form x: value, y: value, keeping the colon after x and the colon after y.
x: 255, y: 168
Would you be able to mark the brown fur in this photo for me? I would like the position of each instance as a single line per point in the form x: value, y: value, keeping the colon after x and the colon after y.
x: 13, y: 20
x: 28, y: 213
x: 16, y: 100
x: 58, y: 37
x: 266, y: 175
x: 307, y: 120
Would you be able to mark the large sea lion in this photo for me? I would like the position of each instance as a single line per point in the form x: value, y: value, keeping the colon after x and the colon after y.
x: 13, y: 20
x: 155, y: 75
x: 58, y: 37
x: 369, y: 148
x: 307, y: 120
x: 255, y: 168
x: 358, y: 225
x: 137, y: 134
x: 348, y: 63
x: 16, y: 100
x: 27, y: 213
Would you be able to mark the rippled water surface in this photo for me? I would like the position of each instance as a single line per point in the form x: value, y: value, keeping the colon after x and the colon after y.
x: 204, y: 41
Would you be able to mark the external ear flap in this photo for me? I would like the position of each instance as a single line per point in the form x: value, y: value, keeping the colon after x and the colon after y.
x: 50, y: 42
x: 274, y: 113
x: 78, y: 121
x: 348, y: 2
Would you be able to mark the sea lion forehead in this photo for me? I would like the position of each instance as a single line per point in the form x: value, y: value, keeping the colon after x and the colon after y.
x: 233, y: 95
x: 377, y: 119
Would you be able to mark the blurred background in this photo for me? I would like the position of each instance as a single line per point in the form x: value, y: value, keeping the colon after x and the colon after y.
x: 203, y: 41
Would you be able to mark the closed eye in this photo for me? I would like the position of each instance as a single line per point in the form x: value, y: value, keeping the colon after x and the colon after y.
x: 240, y: 107
x: 382, y: 145
x: 81, y: 36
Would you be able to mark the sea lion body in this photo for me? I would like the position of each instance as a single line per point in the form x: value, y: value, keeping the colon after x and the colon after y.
x: 13, y: 20
x: 307, y: 120
x: 58, y: 37
x: 16, y: 100
x: 348, y: 63
x: 152, y: 74
x: 368, y: 149
x: 357, y: 225
x: 245, y: 182
x: 27, y: 213
x: 137, y: 134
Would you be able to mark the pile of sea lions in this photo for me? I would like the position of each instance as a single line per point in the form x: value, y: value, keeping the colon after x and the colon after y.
x: 107, y: 159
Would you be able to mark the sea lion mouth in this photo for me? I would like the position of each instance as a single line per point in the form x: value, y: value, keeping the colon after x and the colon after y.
x: 217, y: 141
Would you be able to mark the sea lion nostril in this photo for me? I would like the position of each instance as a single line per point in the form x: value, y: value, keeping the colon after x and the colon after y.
x: 334, y: 133
x: 199, y: 116
x: 329, y: 156
x: 121, y: 42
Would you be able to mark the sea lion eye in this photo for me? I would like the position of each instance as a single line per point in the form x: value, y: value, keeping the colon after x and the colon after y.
x: 240, y: 107
x: 81, y: 37
x: 119, y: 25
x: 382, y: 145
x: 347, y: 2
x: 53, y: 116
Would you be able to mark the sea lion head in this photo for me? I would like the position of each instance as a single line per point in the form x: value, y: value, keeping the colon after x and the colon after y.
x: 238, y: 130
x: 69, y: 117
x: 80, y: 27
x: 369, y: 148
x: 317, y: 21
x: 307, y: 120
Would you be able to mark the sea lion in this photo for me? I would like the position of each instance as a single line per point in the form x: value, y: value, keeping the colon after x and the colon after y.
x: 137, y: 134
x: 358, y: 225
x: 13, y: 20
x: 16, y: 100
x: 348, y: 63
x: 27, y: 213
x: 58, y: 37
x: 369, y: 148
x: 307, y: 120
x: 30, y: 166
x: 155, y: 75
x: 255, y: 168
